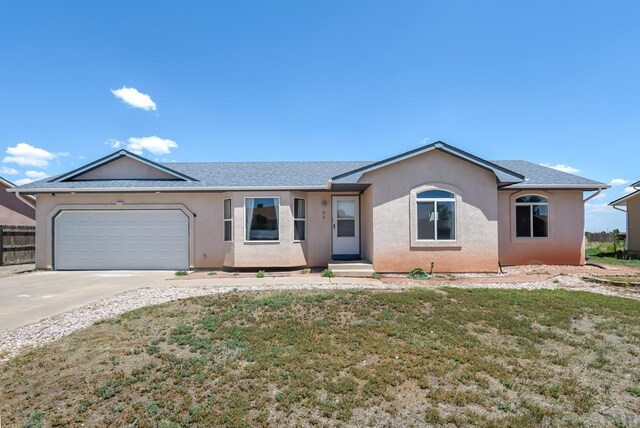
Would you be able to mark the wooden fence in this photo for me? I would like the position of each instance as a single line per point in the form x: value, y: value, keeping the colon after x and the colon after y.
x: 17, y: 245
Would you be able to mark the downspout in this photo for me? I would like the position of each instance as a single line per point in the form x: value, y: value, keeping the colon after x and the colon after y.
x: 22, y: 198
x: 626, y: 217
x: 592, y: 196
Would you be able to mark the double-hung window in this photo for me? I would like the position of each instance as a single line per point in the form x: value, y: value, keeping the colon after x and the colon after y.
x: 299, y: 219
x: 532, y: 217
x: 436, y: 214
x: 261, y: 219
x: 228, y: 221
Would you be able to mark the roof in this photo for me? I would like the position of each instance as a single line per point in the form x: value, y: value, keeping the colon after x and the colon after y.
x: 314, y: 175
x: 537, y: 175
x: 503, y: 175
x: 621, y: 202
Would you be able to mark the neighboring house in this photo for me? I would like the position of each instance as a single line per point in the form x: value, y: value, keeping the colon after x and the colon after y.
x: 15, y: 211
x: 435, y: 204
x: 631, y: 205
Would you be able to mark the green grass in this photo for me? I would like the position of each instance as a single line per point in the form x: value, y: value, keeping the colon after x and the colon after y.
x: 599, y: 252
x: 182, y: 273
x: 455, y: 357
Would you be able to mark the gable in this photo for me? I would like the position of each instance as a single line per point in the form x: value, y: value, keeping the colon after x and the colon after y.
x: 124, y: 168
x: 503, y: 175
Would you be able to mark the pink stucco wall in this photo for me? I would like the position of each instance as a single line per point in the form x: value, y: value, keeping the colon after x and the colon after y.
x: 633, y: 225
x: 393, y: 243
x: 13, y: 211
x: 124, y: 168
x: 565, y: 244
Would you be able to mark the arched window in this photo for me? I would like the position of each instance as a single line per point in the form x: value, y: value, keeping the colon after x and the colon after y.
x: 436, y: 217
x: 532, y: 217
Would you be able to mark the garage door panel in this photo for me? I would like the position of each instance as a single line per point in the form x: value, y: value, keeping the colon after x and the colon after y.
x: 126, y: 239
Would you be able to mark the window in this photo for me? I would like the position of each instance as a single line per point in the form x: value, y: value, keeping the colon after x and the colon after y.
x: 436, y: 211
x: 299, y: 219
x: 532, y: 217
x: 228, y: 221
x: 261, y: 219
x: 346, y: 218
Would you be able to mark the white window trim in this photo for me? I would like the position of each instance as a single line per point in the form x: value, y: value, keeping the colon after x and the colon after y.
x: 225, y: 220
x: 531, y: 204
x: 266, y: 241
x: 299, y: 219
x: 435, y: 210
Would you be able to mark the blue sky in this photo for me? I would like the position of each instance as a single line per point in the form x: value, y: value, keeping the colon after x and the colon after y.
x: 550, y: 82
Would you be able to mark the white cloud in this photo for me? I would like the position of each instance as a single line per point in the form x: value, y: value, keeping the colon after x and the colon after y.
x: 36, y: 175
x: 600, y: 195
x: 26, y: 155
x: 8, y: 171
x: 629, y: 189
x: 22, y: 181
x: 562, y: 167
x: 618, y: 182
x: 115, y: 144
x: 153, y: 144
x: 597, y: 208
x: 134, y: 98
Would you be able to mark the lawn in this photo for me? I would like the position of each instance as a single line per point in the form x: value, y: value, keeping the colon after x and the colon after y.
x: 411, y: 358
x: 603, y: 252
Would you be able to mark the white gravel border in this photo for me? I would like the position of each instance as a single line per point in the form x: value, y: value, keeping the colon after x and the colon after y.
x: 47, y: 330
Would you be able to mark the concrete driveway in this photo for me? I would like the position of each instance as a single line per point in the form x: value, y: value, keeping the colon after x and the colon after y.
x: 33, y: 296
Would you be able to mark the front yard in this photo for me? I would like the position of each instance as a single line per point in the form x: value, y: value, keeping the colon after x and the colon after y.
x: 395, y: 358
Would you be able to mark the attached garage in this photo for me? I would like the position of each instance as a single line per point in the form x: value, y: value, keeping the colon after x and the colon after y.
x: 121, y: 239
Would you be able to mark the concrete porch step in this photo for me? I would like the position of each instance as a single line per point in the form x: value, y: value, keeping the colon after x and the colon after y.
x: 352, y: 268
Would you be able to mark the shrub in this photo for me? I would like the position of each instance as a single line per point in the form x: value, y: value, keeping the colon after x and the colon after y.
x: 260, y: 274
x: 305, y: 271
x: 328, y: 273
x: 419, y: 273
x: 182, y: 273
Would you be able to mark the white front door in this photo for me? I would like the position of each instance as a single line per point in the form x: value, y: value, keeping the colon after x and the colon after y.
x: 346, y: 226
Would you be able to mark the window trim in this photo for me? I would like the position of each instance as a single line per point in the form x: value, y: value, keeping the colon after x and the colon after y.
x: 435, y: 201
x: 225, y: 220
x: 261, y: 241
x: 530, y: 205
x: 299, y: 219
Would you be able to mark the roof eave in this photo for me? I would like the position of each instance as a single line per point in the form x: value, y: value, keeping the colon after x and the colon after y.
x: 162, y: 189
x: 114, y: 156
x: 586, y: 187
x: 355, y: 175
x: 621, y: 202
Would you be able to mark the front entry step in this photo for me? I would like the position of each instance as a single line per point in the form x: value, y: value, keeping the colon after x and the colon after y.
x: 353, y: 268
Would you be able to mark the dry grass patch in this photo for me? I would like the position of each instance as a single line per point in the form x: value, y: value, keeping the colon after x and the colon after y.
x: 421, y: 357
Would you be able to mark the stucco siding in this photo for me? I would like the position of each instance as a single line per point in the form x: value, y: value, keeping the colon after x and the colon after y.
x: 124, y: 168
x: 366, y: 225
x: 476, y: 245
x: 633, y: 225
x: 13, y: 211
x: 565, y: 244
x: 208, y: 248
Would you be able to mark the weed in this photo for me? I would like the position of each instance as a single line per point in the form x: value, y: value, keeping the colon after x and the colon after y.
x: 182, y: 273
x: 327, y: 273
x: 376, y: 276
x: 305, y: 271
x: 260, y: 274
x: 212, y: 273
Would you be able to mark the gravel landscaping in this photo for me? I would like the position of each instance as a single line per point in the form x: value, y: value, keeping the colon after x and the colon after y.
x: 50, y: 329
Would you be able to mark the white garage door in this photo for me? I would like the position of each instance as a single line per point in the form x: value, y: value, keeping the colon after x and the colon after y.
x: 123, y: 239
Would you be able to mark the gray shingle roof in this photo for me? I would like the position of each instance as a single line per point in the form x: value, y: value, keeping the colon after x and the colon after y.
x: 536, y: 174
x: 230, y: 175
